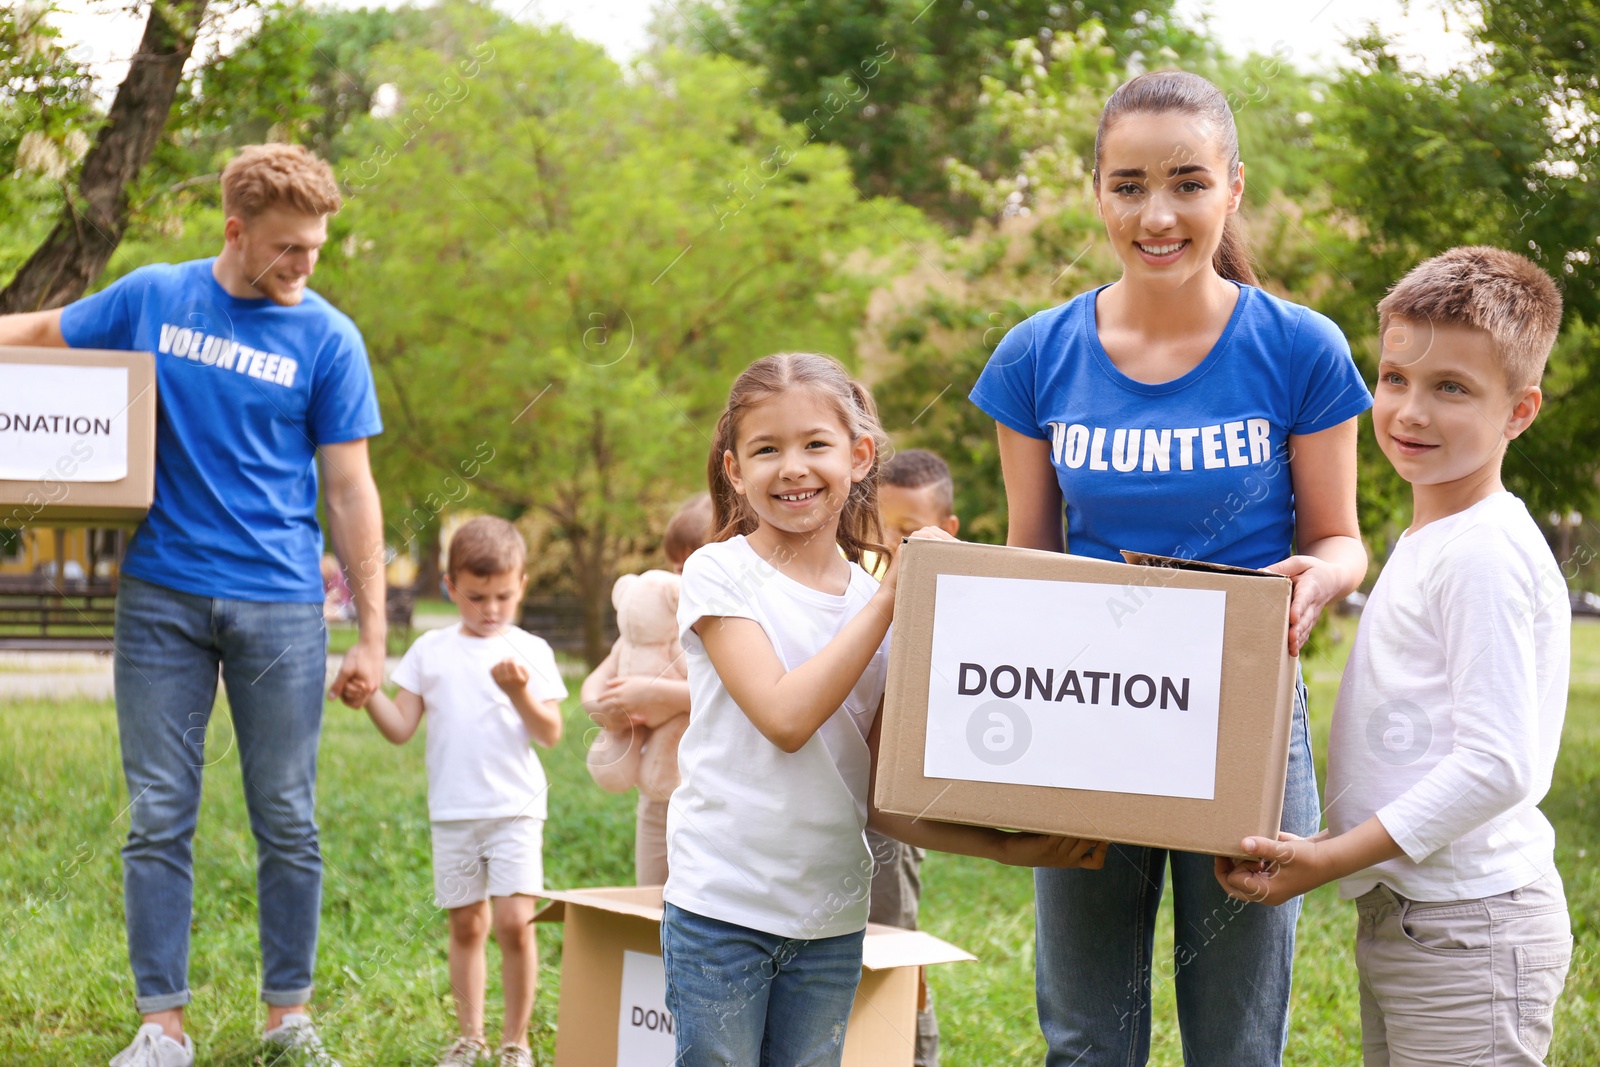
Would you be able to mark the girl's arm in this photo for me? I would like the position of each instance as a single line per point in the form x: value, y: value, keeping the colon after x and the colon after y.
x: 395, y: 719
x: 648, y: 701
x: 592, y: 692
x: 1002, y: 846
x: 1033, y: 496
x: 1332, y: 561
x: 789, y: 706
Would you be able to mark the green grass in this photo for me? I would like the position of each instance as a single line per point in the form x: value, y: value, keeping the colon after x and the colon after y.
x: 382, y: 996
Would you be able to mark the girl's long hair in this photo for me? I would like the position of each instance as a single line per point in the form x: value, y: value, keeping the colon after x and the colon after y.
x: 1178, y: 91
x: 860, y: 529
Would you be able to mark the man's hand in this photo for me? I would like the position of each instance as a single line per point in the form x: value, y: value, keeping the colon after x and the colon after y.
x: 1276, y: 871
x: 360, y: 674
x: 510, y: 675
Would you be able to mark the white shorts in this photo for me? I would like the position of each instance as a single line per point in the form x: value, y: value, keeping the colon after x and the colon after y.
x: 475, y: 859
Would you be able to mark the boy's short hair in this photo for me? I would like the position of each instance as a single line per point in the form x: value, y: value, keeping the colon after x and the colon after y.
x: 1501, y: 293
x: 688, y: 529
x: 264, y: 176
x: 916, y: 468
x: 486, y: 546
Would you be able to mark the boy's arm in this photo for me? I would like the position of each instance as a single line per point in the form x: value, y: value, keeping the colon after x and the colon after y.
x: 1286, y: 868
x: 541, y: 718
x: 1015, y: 849
x: 395, y: 719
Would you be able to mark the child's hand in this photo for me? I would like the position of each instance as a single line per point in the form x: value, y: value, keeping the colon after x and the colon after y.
x: 1276, y: 871
x: 891, y: 576
x: 510, y: 675
x: 356, y: 693
x: 1049, y: 850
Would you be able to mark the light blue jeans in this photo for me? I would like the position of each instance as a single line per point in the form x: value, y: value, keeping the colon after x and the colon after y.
x: 1231, y: 961
x: 273, y: 660
x: 743, y: 998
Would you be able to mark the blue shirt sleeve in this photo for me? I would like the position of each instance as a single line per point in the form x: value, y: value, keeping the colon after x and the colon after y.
x: 1327, y: 384
x: 344, y: 401
x: 105, y: 319
x: 1006, y: 389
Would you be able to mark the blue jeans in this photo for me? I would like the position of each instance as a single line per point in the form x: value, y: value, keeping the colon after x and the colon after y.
x: 1231, y: 961
x: 743, y: 998
x: 273, y: 659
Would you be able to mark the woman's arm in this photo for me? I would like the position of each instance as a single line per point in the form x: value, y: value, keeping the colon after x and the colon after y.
x: 1033, y: 496
x: 395, y: 719
x: 1002, y: 846
x: 1331, y: 561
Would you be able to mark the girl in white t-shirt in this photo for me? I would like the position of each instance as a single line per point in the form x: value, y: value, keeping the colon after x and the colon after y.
x: 787, y: 641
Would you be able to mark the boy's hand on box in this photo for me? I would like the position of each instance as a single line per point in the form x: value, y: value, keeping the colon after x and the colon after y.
x: 1048, y: 850
x: 1272, y: 872
x: 510, y: 675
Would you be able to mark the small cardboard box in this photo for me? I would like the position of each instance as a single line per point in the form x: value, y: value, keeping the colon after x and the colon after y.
x: 1146, y: 703
x: 613, y: 1012
x: 77, y: 436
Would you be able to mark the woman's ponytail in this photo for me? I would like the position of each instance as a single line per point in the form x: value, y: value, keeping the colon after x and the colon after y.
x: 1232, y: 258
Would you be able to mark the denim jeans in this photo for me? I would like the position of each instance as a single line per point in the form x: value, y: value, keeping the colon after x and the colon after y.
x: 273, y: 659
x: 743, y: 998
x: 1231, y: 961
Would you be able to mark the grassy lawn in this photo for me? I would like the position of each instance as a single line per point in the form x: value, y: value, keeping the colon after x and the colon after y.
x: 382, y: 995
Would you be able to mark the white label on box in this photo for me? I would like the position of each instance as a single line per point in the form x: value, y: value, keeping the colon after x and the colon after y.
x: 1075, y: 685
x: 63, y: 424
x: 644, y: 1026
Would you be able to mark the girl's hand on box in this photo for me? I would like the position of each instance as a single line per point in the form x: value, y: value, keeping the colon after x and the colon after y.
x: 1049, y: 850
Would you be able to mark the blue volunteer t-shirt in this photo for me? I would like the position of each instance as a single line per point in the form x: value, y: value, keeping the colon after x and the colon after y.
x: 246, y: 391
x: 1197, y: 467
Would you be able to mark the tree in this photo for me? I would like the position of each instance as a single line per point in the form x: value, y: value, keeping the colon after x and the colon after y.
x: 1503, y: 154
x: 559, y: 269
x: 94, y: 217
x: 898, y: 84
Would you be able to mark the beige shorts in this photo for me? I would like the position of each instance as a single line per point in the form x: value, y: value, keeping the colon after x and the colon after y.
x: 1461, y: 982
x: 475, y: 859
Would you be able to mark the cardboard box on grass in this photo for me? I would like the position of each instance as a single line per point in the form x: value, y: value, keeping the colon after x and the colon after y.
x: 1147, y: 702
x: 612, y: 1010
x: 77, y: 436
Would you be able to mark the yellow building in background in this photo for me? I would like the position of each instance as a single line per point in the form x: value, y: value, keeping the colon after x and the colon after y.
x: 83, y: 552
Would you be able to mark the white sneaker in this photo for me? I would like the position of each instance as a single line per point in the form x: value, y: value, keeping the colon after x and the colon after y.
x: 464, y: 1052
x: 153, y: 1048
x: 514, y: 1056
x: 297, y: 1037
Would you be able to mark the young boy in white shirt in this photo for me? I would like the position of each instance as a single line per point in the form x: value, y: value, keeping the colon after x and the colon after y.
x: 488, y: 689
x: 1449, y: 716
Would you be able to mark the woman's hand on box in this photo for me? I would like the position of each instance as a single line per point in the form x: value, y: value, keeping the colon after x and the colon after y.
x: 1049, y: 850
x: 1316, y: 583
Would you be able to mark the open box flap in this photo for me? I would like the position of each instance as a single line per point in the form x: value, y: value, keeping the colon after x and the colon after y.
x: 888, y: 947
x: 641, y: 901
x: 1150, y: 559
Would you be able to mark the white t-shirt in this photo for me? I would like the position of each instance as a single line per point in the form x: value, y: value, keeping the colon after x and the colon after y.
x: 480, y: 762
x: 756, y: 836
x: 1449, y: 715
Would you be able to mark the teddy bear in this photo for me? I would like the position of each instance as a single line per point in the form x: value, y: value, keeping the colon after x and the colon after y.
x: 623, y: 755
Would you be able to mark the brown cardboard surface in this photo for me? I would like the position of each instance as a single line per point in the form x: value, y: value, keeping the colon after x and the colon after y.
x: 53, y: 502
x: 1257, y: 697
x: 603, y: 923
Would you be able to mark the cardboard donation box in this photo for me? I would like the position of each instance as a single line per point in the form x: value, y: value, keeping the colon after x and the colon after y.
x: 1147, y: 702
x: 613, y: 1006
x: 77, y: 436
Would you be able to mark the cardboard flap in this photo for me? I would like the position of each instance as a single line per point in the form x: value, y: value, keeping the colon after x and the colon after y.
x: 1150, y: 559
x: 887, y: 947
x: 641, y: 901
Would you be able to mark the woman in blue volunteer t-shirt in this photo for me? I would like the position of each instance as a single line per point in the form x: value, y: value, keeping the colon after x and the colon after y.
x: 1181, y: 411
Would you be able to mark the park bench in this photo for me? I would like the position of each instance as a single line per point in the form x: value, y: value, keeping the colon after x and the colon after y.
x: 42, y: 613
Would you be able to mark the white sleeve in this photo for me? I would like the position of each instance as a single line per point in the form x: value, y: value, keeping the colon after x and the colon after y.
x: 544, y: 675
x: 708, y: 589
x: 1482, y: 598
x: 408, y: 672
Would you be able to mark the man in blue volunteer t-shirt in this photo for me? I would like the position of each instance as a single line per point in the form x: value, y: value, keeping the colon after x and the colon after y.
x: 257, y: 377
